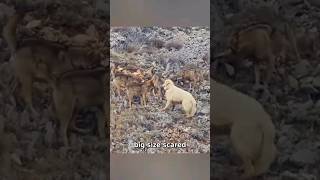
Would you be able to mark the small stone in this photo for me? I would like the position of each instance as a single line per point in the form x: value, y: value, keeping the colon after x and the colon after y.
x: 287, y: 175
x: 205, y: 110
x: 81, y: 39
x: 33, y: 24
x: 302, y: 69
x: 91, y: 31
x: 293, y: 83
x: 316, y: 82
x: 304, y: 157
x: 307, y: 80
x: 5, y: 10
x: 305, y: 106
x: 316, y: 71
x: 317, y: 104
x: 230, y: 69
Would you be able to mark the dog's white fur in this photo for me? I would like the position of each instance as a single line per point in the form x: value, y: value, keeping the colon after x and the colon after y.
x: 176, y: 95
x: 252, y: 131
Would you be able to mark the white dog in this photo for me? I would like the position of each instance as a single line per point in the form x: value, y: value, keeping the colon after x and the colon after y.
x: 252, y: 131
x: 176, y: 95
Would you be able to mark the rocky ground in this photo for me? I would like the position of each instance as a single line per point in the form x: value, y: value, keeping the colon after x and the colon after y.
x: 28, y: 148
x: 293, y: 104
x: 180, y: 47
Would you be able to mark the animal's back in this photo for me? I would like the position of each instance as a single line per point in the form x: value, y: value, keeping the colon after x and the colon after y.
x: 89, y: 90
x: 254, y: 42
x: 245, y: 115
x: 135, y: 90
x: 179, y: 94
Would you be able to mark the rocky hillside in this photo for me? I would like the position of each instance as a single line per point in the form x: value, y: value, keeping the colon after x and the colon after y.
x: 168, y: 51
x: 293, y: 101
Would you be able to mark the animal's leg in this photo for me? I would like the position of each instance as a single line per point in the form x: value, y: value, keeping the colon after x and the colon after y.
x: 130, y: 101
x: 187, y: 108
x: 106, y: 107
x: 271, y: 70
x: 194, y: 84
x: 51, y: 109
x: 257, y: 84
x: 65, y: 123
x: 159, y: 92
x: 141, y: 100
x: 154, y: 92
x: 261, y: 166
x: 26, y: 94
x: 173, y: 106
x: 64, y: 108
x: 118, y: 91
x: 247, y: 168
x: 257, y: 74
x: 293, y: 41
x: 144, y: 98
x: 128, y: 96
x: 114, y: 90
x: 246, y: 145
x: 167, y: 105
x: 101, y: 124
x: 190, y: 86
x: 13, y: 84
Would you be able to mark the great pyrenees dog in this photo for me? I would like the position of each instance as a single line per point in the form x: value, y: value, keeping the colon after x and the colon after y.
x: 176, y: 95
x: 252, y: 130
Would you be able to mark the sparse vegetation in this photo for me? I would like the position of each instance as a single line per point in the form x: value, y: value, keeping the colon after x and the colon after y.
x: 167, y: 57
x: 293, y: 97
